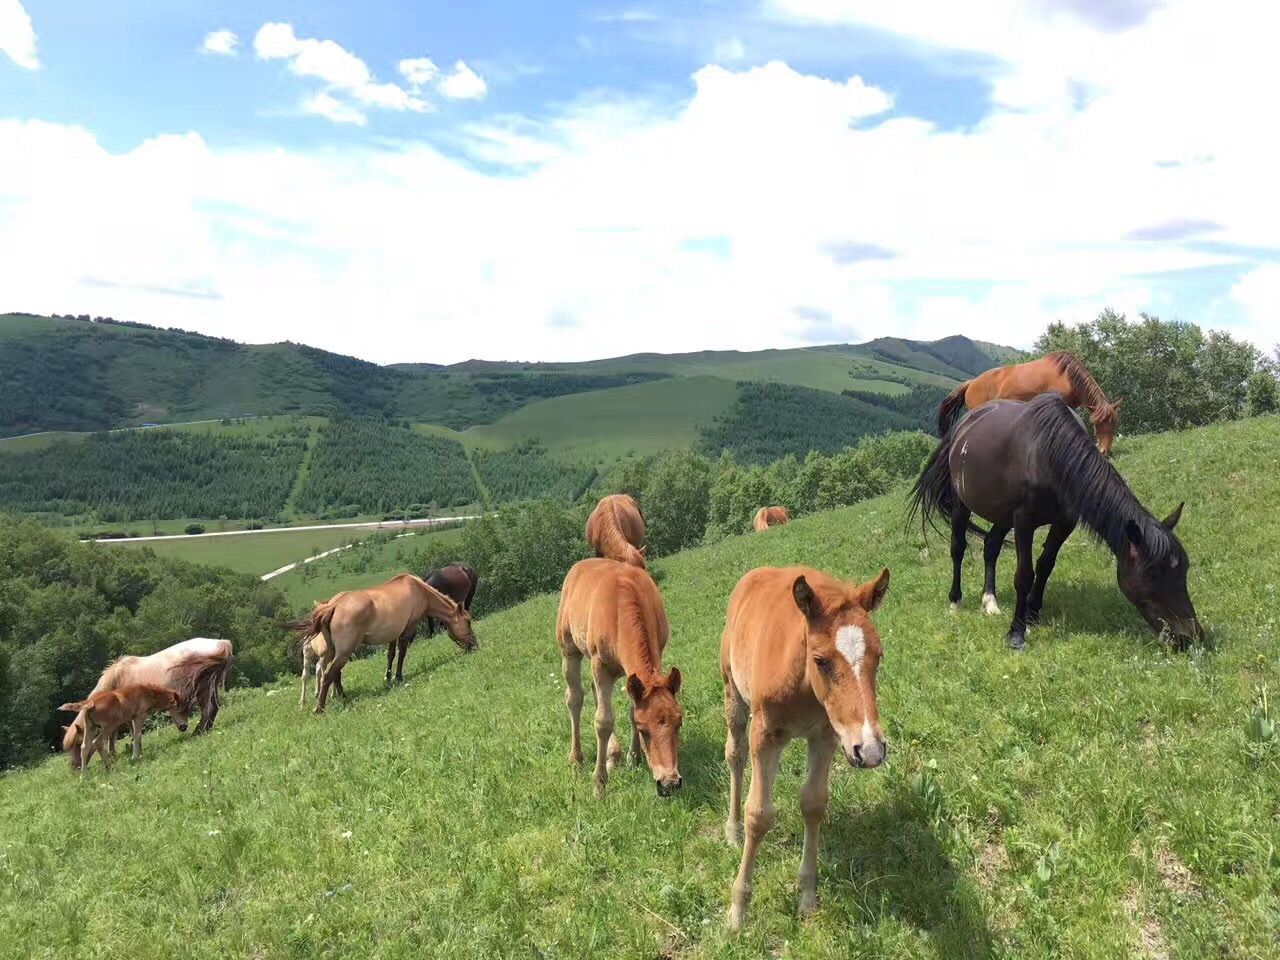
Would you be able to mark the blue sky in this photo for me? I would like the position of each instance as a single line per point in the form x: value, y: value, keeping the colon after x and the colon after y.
x: 436, y: 181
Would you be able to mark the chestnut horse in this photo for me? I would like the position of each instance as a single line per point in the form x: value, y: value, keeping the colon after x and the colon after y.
x: 1058, y: 372
x: 767, y: 517
x: 798, y: 657
x: 196, y: 668
x: 612, y: 613
x: 1022, y: 466
x: 377, y: 616
x: 106, y: 711
x: 615, y: 529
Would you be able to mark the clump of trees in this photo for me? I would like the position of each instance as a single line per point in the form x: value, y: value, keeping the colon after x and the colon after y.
x: 370, y: 466
x: 1170, y: 374
x: 527, y: 472
x: 155, y: 474
x: 68, y: 609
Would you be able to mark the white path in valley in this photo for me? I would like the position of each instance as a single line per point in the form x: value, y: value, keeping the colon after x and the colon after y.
x: 319, y: 556
x: 376, y: 524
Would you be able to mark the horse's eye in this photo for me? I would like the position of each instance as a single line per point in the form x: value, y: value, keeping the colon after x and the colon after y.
x: 822, y: 662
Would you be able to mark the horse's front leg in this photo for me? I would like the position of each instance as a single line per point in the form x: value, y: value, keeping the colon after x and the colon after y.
x: 813, y: 806
x: 402, y: 648
x: 766, y: 752
x: 136, y: 729
x: 1058, y: 534
x: 1023, y: 581
x: 391, y: 657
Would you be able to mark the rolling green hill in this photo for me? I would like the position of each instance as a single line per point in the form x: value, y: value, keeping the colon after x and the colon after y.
x: 1094, y: 797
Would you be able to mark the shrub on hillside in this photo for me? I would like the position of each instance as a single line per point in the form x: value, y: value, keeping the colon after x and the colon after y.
x: 193, y: 529
x: 1170, y: 374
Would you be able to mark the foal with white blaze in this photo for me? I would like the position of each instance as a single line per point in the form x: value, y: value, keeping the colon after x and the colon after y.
x: 798, y: 658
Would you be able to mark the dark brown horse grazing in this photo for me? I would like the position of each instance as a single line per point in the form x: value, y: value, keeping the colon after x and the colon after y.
x: 458, y: 581
x: 1058, y: 372
x: 1021, y: 466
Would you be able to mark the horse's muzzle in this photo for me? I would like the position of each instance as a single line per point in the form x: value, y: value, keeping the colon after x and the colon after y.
x: 869, y: 755
x: 669, y: 785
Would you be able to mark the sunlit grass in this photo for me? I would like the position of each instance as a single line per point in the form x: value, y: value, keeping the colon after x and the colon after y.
x: 1097, y: 790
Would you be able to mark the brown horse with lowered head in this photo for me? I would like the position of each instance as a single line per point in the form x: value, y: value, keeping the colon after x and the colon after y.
x: 1057, y: 372
x: 106, y: 711
x: 799, y: 658
x: 378, y: 615
x: 767, y: 517
x: 196, y: 668
x: 612, y: 614
x: 615, y: 529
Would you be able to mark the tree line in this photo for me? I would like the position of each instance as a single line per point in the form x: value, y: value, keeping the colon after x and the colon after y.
x: 527, y: 472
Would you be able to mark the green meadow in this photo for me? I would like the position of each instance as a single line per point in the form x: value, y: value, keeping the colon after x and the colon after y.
x: 1097, y: 796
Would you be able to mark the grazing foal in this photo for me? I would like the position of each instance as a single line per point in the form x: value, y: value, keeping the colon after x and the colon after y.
x: 767, y: 517
x: 106, y: 711
x: 615, y: 529
x: 612, y: 613
x: 799, y: 658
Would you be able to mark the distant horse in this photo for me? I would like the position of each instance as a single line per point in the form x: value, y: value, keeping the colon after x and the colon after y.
x: 457, y: 581
x: 378, y: 615
x: 1021, y: 466
x: 798, y: 658
x: 106, y: 711
x: 615, y: 529
x: 612, y: 614
x: 196, y: 668
x: 767, y: 517
x: 1058, y: 372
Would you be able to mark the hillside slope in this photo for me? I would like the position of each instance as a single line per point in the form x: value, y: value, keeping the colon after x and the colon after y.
x: 1094, y: 797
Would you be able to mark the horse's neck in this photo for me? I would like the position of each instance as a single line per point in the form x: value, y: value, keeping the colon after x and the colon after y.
x: 433, y: 602
x: 638, y: 646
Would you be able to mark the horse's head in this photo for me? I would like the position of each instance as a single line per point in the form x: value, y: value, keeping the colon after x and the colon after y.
x: 842, y: 654
x: 657, y: 717
x: 457, y: 620
x: 178, y: 708
x: 1156, y: 581
x: 72, y: 739
x: 1104, y: 417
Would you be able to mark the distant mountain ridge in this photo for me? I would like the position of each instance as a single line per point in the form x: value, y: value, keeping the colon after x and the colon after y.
x: 74, y: 374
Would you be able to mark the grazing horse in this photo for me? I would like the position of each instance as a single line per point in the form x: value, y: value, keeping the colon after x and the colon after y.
x: 798, y: 657
x: 767, y: 517
x: 196, y: 668
x: 1021, y: 466
x: 106, y: 711
x: 615, y: 529
x: 1058, y: 372
x: 612, y: 613
x: 377, y: 616
x: 457, y: 581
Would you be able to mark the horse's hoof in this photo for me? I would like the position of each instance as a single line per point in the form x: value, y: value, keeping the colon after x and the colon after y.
x: 955, y: 605
x: 733, y: 834
x: 989, y: 605
x: 808, y: 904
x: 575, y: 760
x: 1017, y: 642
x: 599, y: 790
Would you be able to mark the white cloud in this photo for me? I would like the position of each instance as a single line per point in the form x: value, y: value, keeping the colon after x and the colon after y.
x: 220, y: 42
x: 462, y: 83
x: 419, y: 71
x: 772, y: 197
x: 340, y: 69
x: 17, y: 36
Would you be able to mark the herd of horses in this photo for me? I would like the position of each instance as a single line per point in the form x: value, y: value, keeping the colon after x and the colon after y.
x: 799, y: 653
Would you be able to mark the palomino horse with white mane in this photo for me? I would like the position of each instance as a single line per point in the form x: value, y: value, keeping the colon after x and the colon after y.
x: 798, y: 657
x: 615, y: 529
x: 377, y: 616
x: 767, y: 517
x: 195, y: 668
x: 612, y: 613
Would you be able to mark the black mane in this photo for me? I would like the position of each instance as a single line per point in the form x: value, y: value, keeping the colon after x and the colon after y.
x: 1089, y: 486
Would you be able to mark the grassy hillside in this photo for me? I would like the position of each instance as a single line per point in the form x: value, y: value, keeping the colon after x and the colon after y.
x: 1093, y: 797
x: 255, y: 553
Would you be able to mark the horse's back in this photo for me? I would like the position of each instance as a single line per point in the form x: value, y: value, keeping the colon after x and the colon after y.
x: 591, y: 601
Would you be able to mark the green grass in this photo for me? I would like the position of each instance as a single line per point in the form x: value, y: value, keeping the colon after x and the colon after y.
x: 608, y: 424
x: 255, y: 553
x: 1096, y: 789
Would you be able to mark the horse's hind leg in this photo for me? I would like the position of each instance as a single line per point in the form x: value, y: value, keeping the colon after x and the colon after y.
x: 391, y: 658
x: 1058, y: 534
x: 736, y: 715
x: 572, y: 665
x: 1023, y: 581
x: 991, y: 547
x: 959, y: 531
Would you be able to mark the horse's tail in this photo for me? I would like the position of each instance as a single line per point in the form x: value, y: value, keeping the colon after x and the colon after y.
x: 316, y: 622
x: 951, y: 407
x: 75, y: 707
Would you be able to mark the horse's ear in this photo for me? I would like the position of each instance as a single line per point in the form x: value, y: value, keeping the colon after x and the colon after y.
x: 673, y: 681
x: 644, y: 551
x: 635, y: 687
x: 871, y: 595
x: 1172, y: 519
x: 804, y: 596
x: 1115, y: 405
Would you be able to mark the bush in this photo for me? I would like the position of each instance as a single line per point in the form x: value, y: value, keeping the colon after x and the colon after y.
x: 193, y: 529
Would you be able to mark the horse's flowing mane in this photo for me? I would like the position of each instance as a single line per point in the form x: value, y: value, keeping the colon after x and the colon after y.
x: 1088, y: 485
x: 1081, y: 379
